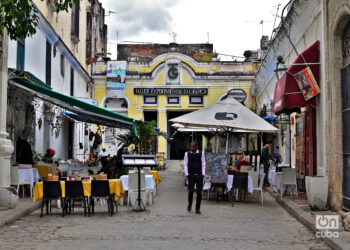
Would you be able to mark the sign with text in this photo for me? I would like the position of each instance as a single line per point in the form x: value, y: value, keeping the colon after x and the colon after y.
x: 239, y: 94
x: 116, y: 70
x: 171, y: 91
x: 92, y: 101
x: 307, y: 83
x: 216, y: 167
x: 115, y: 90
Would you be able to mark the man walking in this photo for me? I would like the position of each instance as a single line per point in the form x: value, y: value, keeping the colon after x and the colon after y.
x: 194, y: 167
x: 265, y: 160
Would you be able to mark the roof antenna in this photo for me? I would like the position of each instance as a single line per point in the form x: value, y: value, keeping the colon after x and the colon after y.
x: 207, y: 37
x: 173, y: 36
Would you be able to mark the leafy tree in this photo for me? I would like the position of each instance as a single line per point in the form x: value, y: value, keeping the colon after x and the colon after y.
x: 20, y: 17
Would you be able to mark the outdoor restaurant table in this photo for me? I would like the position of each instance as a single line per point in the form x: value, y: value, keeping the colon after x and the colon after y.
x: 149, y: 182
x: 115, y: 187
x: 44, y: 170
x: 229, y: 183
x: 24, y: 175
x: 156, y: 176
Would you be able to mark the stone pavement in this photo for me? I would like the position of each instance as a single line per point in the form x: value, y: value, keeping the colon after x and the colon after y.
x: 300, y: 209
x: 167, y: 226
x: 24, y: 207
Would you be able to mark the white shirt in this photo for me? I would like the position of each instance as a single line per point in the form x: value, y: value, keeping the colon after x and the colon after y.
x: 101, y: 154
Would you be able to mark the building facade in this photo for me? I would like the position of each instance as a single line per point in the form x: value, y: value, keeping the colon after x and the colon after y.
x: 307, y: 23
x: 164, y: 81
x: 56, y: 59
x: 336, y: 95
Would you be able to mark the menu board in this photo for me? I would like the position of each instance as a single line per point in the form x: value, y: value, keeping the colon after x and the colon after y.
x: 216, y: 167
x: 129, y: 161
x: 150, y: 161
x: 140, y: 161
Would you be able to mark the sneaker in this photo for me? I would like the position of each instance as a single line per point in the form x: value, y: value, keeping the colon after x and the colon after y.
x: 198, y: 212
x: 189, y: 208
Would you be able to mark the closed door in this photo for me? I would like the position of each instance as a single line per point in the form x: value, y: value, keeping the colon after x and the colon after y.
x: 345, y: 92
x: 345, y: 83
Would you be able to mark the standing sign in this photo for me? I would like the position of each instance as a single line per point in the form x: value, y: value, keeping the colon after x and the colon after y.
x: 116, y: 72
x: 216, y: 167
x: 307, y: 83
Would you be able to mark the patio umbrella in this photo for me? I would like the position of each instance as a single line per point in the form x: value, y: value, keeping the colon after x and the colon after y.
x: 228, y: 115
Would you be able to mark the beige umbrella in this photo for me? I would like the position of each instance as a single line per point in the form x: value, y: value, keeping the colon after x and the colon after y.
x: 228, y: 115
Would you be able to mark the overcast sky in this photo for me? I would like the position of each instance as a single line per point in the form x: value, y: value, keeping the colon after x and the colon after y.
x: 233, y: 25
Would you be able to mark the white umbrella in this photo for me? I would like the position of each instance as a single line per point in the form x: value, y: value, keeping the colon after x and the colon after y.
x: 228, y: 115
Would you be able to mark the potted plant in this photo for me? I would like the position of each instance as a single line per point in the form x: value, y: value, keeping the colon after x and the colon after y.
x: 317, y: 191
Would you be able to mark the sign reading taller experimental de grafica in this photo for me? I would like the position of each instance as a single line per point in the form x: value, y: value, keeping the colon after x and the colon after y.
x: 171, y: 91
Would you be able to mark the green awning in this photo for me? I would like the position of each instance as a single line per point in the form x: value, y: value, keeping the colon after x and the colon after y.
x: 88, y: 112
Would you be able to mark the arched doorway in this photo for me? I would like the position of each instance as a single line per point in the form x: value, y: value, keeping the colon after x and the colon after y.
x: 345, y: 106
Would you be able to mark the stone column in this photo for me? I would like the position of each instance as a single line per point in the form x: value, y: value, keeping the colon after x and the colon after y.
x: 6, y: 147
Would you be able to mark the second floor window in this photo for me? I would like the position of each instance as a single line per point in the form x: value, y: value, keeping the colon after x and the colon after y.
x: 20, y: 54
x: 62, y: 65
x: 71, y: 81
x: 75, y: 22
x: 48, y: 64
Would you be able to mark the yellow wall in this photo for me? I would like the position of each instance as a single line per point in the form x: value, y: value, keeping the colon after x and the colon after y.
x: 216, y: 89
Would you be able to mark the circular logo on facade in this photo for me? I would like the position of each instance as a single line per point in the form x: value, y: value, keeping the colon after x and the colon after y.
x: 239, y: 94
x: 173, y: 73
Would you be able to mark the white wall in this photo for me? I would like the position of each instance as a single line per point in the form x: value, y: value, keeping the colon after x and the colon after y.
x: 35, y: 61
x: 306, y: 29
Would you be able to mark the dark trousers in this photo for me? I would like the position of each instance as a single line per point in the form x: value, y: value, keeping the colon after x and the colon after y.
x: 198, y: 181
x: 266, y: 170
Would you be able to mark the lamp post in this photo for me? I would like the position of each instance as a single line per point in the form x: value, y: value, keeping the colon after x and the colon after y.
x: 279, y: 72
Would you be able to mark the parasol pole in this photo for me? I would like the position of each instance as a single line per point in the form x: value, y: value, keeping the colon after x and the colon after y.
x: 227, y: 135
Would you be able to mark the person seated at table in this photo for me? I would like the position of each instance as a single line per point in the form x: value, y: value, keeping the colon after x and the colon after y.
x: 50, y: 152
x: 107, y: 167
x: 23, y: 149
x: 241, y: 162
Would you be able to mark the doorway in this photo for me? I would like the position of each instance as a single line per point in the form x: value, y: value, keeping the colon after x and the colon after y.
x: 345, y: 92
x: 181, y: 140
x: 149, y: 116
x: 70, y: 139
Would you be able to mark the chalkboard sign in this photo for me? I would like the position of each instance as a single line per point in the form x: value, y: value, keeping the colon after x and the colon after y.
x: 216, y: 167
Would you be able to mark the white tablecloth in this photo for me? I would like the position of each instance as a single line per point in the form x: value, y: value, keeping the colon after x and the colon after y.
x: 275, y: 180
x: 149, y: 182
x: 25, y: 175
x: 229, y: 183
x: 271, y: 176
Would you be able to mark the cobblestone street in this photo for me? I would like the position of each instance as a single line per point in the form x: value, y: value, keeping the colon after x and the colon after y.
x: 167, y: 226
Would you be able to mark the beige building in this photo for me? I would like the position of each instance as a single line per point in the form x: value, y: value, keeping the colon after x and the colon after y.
x: 82, y: 28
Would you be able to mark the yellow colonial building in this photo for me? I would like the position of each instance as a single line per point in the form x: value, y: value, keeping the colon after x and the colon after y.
x: 163, y: 81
